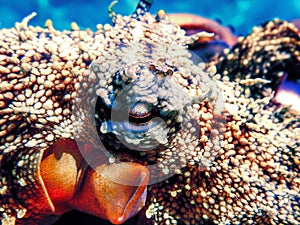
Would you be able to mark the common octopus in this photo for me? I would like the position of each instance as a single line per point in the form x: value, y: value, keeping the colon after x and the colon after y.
x: 127, y: 122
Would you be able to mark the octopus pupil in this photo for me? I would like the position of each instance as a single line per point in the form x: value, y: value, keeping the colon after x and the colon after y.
x: 140, y: 119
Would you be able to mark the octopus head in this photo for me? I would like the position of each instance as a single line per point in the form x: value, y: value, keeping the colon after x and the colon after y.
x: 152, y: 109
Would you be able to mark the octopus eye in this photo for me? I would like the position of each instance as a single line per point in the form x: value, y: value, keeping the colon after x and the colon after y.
x: 140, y: 113
x: 142, y: 117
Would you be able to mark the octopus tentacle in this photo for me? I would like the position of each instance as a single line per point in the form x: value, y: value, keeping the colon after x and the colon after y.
x: 260, y: 60
x: 111, y: 13
x: 193, y: 23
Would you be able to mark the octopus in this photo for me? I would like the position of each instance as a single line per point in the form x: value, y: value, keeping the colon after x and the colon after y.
x: 126, y: 123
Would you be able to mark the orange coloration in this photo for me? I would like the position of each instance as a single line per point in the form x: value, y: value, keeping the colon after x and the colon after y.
x: 117, y: 202
x: 190, y: 21
x: 115, y: 192
x: 59, y: 170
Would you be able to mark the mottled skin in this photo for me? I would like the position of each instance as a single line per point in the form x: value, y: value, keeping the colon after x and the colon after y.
x: 244, y: 165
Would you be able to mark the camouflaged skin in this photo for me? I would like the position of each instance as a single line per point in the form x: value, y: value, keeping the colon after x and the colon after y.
x: 250, y: 175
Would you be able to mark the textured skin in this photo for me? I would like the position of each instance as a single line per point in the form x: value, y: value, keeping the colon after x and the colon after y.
x: 241, y: 168
x: 28, y: 114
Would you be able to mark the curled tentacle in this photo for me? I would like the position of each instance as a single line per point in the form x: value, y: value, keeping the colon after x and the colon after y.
x: 206, y: 47
x: 194, y: 23
x: 111, y: 12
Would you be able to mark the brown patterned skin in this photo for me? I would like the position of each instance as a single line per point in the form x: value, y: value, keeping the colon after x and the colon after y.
x: 259, y: 164
x: 252, y: 172
x: 255, y: 178
x: 36, y: 87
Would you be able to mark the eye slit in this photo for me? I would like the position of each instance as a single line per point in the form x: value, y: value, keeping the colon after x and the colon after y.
x: 140, y: 113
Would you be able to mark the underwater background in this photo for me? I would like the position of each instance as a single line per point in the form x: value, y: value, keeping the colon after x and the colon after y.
x: 241, y: 15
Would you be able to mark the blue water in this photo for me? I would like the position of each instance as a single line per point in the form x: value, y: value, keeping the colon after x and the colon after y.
x: 241, y: 14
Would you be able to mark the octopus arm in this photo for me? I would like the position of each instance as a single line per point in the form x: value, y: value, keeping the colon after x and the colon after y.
x: 263, y: 58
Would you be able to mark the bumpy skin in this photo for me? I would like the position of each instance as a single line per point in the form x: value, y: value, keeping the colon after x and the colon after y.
x: 243, y: 166
x: 275, y: 55
x: 255, y: 178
